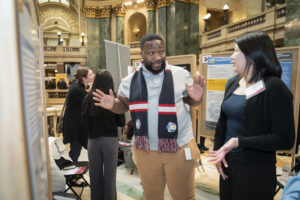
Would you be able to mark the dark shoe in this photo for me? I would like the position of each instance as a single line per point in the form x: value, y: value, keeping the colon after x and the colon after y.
x: 201, y: 151
x: 82, y: 184
x: 205, y: 148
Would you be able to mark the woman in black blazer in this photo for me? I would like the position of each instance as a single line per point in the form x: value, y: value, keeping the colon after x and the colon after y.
x: 72, y: 124
x: 256, y: 119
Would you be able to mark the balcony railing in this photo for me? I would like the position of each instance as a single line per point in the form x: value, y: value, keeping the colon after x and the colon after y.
x: 135, y: 45
x: 247, y: 24
x: 214, y: 34
x: 223, y: 38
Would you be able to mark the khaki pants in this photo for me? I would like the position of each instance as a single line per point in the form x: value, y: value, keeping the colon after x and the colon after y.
x: 157, y: 169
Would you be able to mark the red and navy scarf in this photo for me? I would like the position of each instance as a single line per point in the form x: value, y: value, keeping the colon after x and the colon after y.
x: 167, y: 119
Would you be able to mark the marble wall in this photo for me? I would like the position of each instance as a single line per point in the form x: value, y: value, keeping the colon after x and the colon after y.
x: 179, y: 25
x: 170, y: 32
x: 292, y: 26
x: 151, y: 26
x: 93, y: 43
x: 194, y: 29
x: 162, y: 21
x: 120, y: 29
x: 104, y: 34
x: 98, y: 30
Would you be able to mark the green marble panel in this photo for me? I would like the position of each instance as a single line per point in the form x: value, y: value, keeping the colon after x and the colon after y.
x: 193, y: 29
x: 162, y: 23
x: 151, y: 21
x: 179, y: 27
x: 120, y: 29
x: 170, y: 30
x: 186, y: 29
x: 104, y: 34
x: 92, y: 47
x: 292, y: 27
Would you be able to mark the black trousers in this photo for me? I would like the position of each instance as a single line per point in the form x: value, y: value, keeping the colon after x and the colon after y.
x: 247, y: 182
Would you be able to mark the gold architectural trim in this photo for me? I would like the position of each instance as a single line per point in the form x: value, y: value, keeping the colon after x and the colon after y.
x: 95, y: 3
x: 164, y: 3
x: 118, y: 10
x: 96, y: 12
x: 151, y: 4
x: 190, y: 1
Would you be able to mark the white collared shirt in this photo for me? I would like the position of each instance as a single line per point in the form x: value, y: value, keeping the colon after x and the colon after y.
x: 154, y: 85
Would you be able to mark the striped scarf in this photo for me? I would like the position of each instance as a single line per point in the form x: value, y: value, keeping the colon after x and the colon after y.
x: 167, y: 119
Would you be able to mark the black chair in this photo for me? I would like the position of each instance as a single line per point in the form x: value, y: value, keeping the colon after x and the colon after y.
x: 71, y: 178
x: 281, y: 180
x: 62, y: 195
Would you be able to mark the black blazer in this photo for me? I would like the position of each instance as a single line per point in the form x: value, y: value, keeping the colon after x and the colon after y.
x: 72, y: 124
x: 268, y: 122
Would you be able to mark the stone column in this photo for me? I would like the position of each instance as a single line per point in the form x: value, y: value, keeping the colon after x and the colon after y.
x: 119, y: 12
x: 194, y: 29
x: 292, y: 28
x: 162, y: 6
x: 104, y: 34
x: 98, y: 30
x: 164, y: 22
x: 151, y: 25
x: 92, y: 47
x: 179, y: 25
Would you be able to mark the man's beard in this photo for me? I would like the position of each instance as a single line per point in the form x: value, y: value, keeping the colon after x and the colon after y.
x: 149, y: 67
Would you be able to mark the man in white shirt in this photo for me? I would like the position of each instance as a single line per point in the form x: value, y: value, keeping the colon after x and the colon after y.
x: 164, y: 149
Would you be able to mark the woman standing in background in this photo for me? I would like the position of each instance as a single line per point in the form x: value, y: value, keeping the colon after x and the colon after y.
x: 72, y: 124
x: 256, y: 119
x: 103, y: 143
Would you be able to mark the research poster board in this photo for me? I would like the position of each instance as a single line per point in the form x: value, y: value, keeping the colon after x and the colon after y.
x: 32, y: 97
x: 219, y: 70
x: 216, y: 69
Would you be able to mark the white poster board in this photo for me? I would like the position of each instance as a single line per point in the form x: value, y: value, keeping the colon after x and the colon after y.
x: 219, y: 70
x: 31, y: 78
x: 117, y: 61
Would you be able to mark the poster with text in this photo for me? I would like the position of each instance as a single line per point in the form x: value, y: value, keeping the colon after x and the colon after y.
x: 285, y: 60
x: 219, y: 70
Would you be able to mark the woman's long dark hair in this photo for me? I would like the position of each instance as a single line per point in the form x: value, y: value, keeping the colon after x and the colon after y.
x: 259, y: 51
x: 104, y: 82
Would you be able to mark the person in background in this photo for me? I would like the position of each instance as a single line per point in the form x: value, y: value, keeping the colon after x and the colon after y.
x: 291, y: 189
x: 50, y: 84
x: 61, y: 84
x: 202, y: 146
x: 164, y: 151
x: 103, y: 143
x: 256, y: 120
x: 72, y: 124
x: 70, y: 83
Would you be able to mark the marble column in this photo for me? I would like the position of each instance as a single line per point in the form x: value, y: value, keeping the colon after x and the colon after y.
x: 119, y: 12
x: 170, y: 30
x: 92, y: 47
x: 104, y: 34
x: 151, y: 25
x: 292, y: 24
x: 151, y: 8
x: 176, y: 25
x: 179, y: 25
x: 162, y: 22
x: 193, y: 29
x: 120, y: 29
